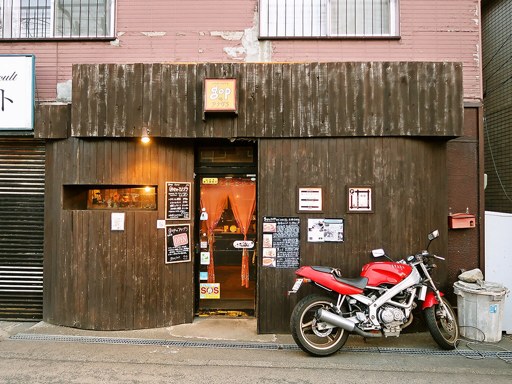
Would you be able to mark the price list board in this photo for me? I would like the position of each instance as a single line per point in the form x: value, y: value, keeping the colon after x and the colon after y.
x: 281, y: 244
x: 177, y: 202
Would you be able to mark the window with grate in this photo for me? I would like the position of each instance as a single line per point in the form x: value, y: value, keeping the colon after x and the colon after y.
x: 56, y: 19
x: 328, y: 18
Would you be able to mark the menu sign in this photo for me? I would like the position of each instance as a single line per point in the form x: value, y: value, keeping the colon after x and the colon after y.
x: 281, y: 242
x: 177, y: 202
x: 177, y: 243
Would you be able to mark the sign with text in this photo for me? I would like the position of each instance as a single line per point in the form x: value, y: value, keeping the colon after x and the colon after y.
x: 17, y: 92
x: 281, y: 242
x: 177, y: 243
x: 310, y: 199
x: 220, y: 95
x: 360, y: 200
x: 209, y: 291
x: 177, y: 201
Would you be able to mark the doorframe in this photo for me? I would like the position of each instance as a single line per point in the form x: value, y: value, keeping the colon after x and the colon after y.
x: 225, y: 170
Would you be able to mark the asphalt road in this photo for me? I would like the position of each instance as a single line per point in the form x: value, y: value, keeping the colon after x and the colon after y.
x: 28, y: 361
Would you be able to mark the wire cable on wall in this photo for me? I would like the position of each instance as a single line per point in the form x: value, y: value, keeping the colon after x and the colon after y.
x: 493, y: 161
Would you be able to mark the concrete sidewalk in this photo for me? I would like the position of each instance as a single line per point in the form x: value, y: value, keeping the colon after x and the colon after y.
x: 234, y: 330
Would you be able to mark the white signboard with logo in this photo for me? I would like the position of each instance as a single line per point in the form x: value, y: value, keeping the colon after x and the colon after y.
x: 17, y: 92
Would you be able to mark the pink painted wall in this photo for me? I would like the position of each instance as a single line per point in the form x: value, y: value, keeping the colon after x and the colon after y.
x: 226, y: 30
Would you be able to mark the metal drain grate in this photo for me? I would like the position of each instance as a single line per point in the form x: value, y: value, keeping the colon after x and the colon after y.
x: 504, y: 355
x: 160, y: 342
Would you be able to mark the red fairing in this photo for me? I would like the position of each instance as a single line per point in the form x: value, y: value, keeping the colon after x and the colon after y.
x: 327, y: 280
x: 385, y: 272
x: 430, y: 300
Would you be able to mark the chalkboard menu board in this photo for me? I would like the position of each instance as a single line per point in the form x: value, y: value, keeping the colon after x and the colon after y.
x: 177, y: 201
x: 281, y: 242
x: 177, y: 243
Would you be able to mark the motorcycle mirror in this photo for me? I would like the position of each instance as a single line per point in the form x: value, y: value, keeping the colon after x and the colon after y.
x: 378, y: 252
x: 431, y: 236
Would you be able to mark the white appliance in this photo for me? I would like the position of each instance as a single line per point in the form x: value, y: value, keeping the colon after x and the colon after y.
x: 498, y: 257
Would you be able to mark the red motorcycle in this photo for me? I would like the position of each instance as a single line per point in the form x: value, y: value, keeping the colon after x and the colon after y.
x: 378, y: 303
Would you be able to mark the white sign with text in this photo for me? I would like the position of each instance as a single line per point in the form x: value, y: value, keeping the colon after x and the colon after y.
x: 16, y: 92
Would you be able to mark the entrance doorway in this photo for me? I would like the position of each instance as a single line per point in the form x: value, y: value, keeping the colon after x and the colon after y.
x: 226, y: 259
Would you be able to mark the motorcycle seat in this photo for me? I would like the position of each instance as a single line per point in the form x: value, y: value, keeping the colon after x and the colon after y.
x: 359, y: 282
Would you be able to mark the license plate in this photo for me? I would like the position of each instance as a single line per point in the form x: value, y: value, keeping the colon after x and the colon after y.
x: 296, y: 286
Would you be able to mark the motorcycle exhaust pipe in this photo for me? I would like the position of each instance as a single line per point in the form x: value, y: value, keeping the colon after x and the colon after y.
x: 341, y: 322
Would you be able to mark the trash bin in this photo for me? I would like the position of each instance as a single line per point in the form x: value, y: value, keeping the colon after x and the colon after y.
x: 480, y: 310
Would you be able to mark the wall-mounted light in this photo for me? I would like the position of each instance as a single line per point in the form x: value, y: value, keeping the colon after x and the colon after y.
x: 145, y: 136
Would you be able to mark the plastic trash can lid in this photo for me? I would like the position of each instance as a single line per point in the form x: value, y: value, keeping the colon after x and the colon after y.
x: 481, y: 288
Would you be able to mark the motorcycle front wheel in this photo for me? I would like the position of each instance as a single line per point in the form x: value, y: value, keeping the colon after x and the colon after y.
x: 445, y: 332
x: 311, y: 335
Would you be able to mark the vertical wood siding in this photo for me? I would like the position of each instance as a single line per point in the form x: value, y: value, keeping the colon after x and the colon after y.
x: 96, y: 278
x: 52, y: 121
x: 409, y: 183
x: 275, y: 100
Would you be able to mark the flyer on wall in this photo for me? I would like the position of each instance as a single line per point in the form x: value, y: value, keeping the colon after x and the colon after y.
x: 325, y: 230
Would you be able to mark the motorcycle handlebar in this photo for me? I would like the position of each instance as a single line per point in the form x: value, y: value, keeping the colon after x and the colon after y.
x: 426, y: 254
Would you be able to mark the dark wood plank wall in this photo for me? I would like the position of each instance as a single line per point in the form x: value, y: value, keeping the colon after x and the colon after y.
x: 364, y: 122
x: 410, y: 200
x: 275, y: 100
x: 96, y: 278
x: 52, y: 121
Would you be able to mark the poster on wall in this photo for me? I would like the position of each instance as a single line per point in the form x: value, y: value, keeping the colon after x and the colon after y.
x: 177, y: 243
x: 17, y: 79
x: 281, y: 242
x: 325, y: 230
x: 177, y: 200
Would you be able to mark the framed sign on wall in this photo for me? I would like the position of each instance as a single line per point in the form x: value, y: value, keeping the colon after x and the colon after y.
x: 220, y: 95
x: 360, y: 199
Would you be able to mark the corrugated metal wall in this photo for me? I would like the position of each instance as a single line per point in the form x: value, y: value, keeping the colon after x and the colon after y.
x: 22, y: 174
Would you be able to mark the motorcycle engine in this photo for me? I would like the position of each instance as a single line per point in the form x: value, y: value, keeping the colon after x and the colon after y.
x: 391, y: 316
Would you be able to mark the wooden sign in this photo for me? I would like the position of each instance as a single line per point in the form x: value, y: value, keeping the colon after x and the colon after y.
x: 220, y: 95
x: 177, y: 201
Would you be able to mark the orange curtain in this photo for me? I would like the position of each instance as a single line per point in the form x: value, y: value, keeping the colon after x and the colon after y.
x: 214, y: 199
x: 242, y: 196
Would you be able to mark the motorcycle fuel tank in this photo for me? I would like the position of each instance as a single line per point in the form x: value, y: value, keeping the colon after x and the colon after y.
x: 385, y: 272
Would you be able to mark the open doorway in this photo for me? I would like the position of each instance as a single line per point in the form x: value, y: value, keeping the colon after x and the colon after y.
x: 226, y: 259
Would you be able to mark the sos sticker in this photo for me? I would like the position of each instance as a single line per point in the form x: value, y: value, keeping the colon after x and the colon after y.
x: 209, y: 291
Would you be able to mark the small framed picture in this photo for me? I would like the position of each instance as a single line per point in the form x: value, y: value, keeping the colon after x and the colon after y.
x: 360, y: 199
x: 309, y: 199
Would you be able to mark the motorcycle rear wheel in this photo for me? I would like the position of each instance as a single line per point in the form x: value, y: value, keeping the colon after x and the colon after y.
x: 444, y: 332
x: 307, y: 331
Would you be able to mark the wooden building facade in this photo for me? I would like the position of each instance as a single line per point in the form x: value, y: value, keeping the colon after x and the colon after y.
x: 382, y: 125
